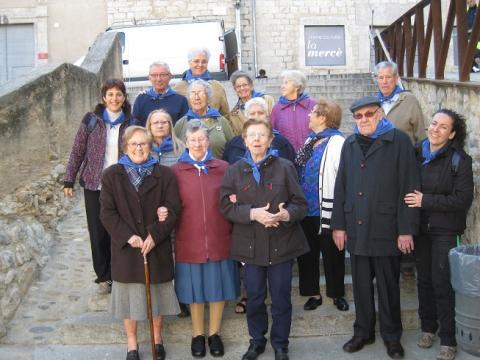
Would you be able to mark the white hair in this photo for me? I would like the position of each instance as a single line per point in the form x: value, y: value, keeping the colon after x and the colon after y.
x: 297, y: 77
x: 195, y: 51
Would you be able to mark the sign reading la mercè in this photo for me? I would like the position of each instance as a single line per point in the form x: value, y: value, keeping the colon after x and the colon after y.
x: 324, y: 46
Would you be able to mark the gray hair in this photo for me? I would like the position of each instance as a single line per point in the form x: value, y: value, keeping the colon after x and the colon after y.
x: 195, y: 125
x: 205, y: 84
x: 297, y: 77
x: 159, y: 63
x: 195, y: 51
x: 386, y: 65
x: 130, y: 131
x: 239, y: 74
x: 253, y: 102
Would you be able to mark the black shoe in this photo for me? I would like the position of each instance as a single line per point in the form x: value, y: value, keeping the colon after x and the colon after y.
x: 253, y: 352
x: 341, y: 304
x: 160, y: 351
x: 356, y: 343
x: 394, y: 349
x: 184, y: 311
x: 312, y: 303
x: 281, y: 354
x: 133, y: 355
x: 216, y: 345
x: 198, y: 346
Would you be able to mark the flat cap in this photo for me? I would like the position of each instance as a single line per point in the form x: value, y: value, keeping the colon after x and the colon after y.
x: 364, y: 101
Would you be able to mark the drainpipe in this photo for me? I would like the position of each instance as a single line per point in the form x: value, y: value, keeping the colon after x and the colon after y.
x: 254, y: 30
x: 238, y: 32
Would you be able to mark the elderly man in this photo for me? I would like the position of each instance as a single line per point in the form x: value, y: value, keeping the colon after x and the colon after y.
x: 403, y: 110
x: 159, y: 96
x: 377, y: 168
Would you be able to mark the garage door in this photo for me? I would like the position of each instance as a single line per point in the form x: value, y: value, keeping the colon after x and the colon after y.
x: 17, y: 50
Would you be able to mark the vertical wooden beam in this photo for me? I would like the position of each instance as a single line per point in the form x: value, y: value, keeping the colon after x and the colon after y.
x: 462, y: 36
x: 411, y: 55
x: 436, y: 14
x: 420, y: 31
x: 407, y: 39
x: 399, y: 47
x: 427, y: 43
x: 447, y: 35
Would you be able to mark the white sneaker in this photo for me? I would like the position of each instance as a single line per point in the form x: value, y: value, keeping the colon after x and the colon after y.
x: 475, y: 69
x: 426, y: 340
x: 447, y: 352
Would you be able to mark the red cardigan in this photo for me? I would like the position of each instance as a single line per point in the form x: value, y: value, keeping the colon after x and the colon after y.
x: 202, y: 233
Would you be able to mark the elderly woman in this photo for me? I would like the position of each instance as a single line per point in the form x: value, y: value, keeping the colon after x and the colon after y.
x: 166, y: 147
x: 97, y: 145
x: 261, y: 196
x: 290, y: 113
x: 203, y: 270
x: 132, y: 191
x: 198, y: 62
x: 243, y: 85
x: 317, y: 164
x: 444, y: 199
x: 199, y: 94
x: 256, y: 108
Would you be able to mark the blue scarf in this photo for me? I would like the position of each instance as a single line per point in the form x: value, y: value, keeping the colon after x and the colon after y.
x: 255, y: 166
x: 429, y: 156
x: 305, y: 153
x: 383, y: 127
x: 186, y: 158
x: 211, y: 113
x: 107, y: 121
x: 241, y: 104
x: 137, y: 172
x: 190, y: 77
x: 165, y: 146
x: 283, y: 100
x: 388, y: 98
x: 152, y: 94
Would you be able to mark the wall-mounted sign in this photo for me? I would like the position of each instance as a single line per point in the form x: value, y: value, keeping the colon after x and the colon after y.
x: 324, y: 46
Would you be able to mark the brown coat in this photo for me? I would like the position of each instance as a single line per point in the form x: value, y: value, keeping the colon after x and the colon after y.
x: 218, y: 99
x: 125, y: 212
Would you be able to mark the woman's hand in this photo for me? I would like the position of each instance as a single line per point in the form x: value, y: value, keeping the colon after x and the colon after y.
x: 340, y: 238
x: 405, y: 243
x: 262, y: 216
x: 414, y: 199
x: 233, y: 198
x: 162, y: 213
x: 68, y: 192
x: 282, y: 214
x: 135, y: 241
x: 148, y: 245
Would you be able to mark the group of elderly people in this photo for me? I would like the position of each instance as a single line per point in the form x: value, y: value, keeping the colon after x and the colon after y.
x: 289, y: 187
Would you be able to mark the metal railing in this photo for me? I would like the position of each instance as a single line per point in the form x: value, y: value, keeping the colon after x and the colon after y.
x: 408, y: 38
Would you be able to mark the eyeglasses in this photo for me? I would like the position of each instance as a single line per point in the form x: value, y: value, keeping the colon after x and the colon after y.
x: 240, y: 86
x: 159, y: 123
x: 197, y: 93
x: 197, y: 141
x: 255, y: 135
x: 200, y: 62
x: 368, y: 114
x: 161, y: 76
x: 136, y: 145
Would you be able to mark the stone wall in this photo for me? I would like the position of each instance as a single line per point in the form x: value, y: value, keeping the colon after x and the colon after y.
x: 462, y: 98
x: 39, y: 116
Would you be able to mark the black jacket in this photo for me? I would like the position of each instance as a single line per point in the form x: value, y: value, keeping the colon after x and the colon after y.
x: 251, y: 241
x: 369, y: 194
x: 447, y: 194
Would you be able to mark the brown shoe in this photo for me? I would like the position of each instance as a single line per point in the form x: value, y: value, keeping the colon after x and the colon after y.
x: 357, y: 343
x: 394, y: 349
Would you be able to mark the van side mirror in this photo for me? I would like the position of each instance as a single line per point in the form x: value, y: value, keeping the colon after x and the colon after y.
x: 125, y: 62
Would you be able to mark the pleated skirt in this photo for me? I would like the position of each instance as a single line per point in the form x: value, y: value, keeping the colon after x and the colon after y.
x: 129, y: 301
x: 209, y: 282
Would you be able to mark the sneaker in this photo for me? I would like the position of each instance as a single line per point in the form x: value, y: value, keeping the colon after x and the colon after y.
x: 475, y: 69
x: 104, y: 288
x: 447, y: 352
x: 426, y: 340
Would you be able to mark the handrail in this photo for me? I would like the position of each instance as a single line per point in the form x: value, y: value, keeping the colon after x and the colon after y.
x: 404, y: 40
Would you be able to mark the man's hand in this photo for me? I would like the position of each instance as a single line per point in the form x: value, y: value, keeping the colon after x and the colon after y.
x: 162, y: 213
x: 340, y: 238
x: 405, y: 243
x: 135, y: 241
x: 148, y: 245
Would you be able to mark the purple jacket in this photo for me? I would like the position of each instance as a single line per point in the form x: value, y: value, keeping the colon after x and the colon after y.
x: 88, y: 152
x: 292, y: 121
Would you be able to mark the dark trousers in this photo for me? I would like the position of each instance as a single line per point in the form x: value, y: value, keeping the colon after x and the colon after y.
x: 309, y: 263
x: 436, y: 297
x: 279, y: 278
x: 386, y: 271
x: 99, y: 237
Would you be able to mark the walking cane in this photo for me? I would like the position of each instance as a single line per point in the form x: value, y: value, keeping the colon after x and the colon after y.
x: 149, y: 305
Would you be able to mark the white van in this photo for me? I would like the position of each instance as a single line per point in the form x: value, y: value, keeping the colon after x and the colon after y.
x: 142, y: 44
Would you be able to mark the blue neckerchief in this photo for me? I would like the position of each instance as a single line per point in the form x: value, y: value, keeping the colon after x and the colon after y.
x: 152, y: 94
x: 186, y: 158
x: 107, y: 121
x: 306, y: 151
x: 429, y: 156
x: 241, y: 104
x: 283, y: 100
x: 190, y: 77
x: 137, y: 172
x: 165, y: 146
x: 125, y: 160
x: 255, y: 166
x: 211, y: 113
x: 388, y: 98
x: 383, y: 127
x: 257, y: 94
x: 324, y: 133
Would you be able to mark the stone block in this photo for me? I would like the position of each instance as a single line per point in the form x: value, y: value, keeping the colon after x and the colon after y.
x: 11, y: 275
x: 7, y: 260
x: 10, y: 302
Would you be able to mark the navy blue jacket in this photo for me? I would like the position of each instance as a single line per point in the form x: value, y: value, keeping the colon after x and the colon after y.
x: 176, y: 105
x: 471, y: 12
x: 235, y: 148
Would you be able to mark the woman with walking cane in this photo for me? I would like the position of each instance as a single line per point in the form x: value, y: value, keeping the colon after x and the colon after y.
x: 132, y: 192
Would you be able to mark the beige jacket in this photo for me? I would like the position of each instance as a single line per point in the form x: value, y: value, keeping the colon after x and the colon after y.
x: 406, y: 114
x: 237, y: 118
x: 219, y: 96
